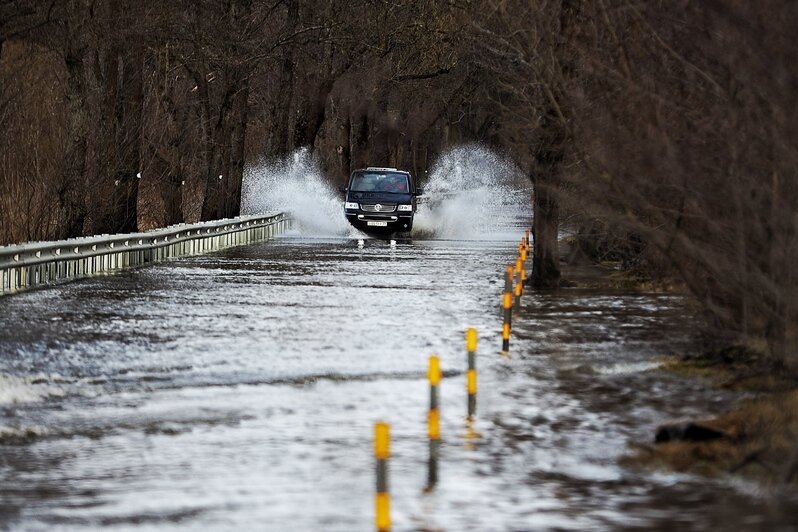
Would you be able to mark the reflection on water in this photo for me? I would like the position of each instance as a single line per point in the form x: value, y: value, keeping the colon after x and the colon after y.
x: 239, y: 390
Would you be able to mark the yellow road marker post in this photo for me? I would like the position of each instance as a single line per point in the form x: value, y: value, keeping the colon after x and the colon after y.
x: 433, y: 420
x: 519, y: 283
x: 382, y: 451
x: 471, y: 376
x: 507, y: 305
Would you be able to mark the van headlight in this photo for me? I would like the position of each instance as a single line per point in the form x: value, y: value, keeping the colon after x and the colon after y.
x: 349, y: 205
x: 405, y: 208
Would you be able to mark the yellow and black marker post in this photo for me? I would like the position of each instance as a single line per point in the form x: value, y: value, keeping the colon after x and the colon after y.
x: 471, y: 376
x: 507, y: 305
x: 523, y: 268
x: 382, y: 451
x: 433, y: 420
x: 518, y: 289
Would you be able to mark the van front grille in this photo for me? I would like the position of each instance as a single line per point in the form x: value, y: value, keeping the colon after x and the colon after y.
x: 383, y: 207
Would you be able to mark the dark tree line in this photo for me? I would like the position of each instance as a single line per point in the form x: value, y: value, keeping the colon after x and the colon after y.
x: 667, y: 130
x: 664, y: 130
x: 144, y: 113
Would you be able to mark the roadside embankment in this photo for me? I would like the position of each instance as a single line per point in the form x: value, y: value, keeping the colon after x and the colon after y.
x: 757, y: 438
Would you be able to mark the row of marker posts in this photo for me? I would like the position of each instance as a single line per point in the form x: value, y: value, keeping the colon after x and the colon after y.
x: 515, y: 277
x: 382, y: 431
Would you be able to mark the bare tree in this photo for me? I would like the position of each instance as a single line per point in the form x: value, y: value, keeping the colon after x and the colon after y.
x: 532, y: 48
x: 688, y: 138
x: 71, y: 190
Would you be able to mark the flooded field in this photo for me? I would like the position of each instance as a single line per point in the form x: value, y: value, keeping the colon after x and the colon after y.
x: 239, y: 391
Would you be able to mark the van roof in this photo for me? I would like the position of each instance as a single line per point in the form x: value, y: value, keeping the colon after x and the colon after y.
x: 381, y: 169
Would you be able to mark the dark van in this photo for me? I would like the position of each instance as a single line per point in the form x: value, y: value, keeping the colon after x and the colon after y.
x: 381, y: 200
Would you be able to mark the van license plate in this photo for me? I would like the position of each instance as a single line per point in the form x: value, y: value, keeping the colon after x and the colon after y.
x: 377, y: 224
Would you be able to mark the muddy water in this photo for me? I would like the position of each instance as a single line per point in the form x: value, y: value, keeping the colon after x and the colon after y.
x: 239, y: 391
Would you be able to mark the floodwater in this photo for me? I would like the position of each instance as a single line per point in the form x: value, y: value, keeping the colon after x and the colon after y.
x: 239, y: 391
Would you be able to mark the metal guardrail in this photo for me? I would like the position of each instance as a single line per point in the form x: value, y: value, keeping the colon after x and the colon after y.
x: 24, y: 266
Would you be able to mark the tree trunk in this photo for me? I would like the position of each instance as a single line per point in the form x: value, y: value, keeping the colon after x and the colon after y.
x: 129, y: 110
x: 237, y: 151
x: 550, y: 154
x: 358, y: 140
x: 546, y: 212
x: 280, y: 118
x: 227, y: 139
x: 545, y: 250
x: 219, y: 146
x: 212, y: 201
x: 167, y: 157
x: 102, y: 162
x: 72, y: 208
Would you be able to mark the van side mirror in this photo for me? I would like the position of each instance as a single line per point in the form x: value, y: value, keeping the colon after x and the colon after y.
x: 342, y: 189
x: 419, y: 191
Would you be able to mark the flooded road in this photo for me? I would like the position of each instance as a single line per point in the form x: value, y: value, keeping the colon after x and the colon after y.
x: 239, y: 391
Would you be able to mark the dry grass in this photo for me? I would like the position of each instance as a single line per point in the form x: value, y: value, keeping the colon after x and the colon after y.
x: 608, y: 275
x: 736, y: 368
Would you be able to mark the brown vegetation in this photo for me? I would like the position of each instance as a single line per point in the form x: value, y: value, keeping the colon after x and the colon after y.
x: 689, y: 146
x: 667, y: 131
x: 760, y: 444
x: 145, y: 113
x: 759, y: 435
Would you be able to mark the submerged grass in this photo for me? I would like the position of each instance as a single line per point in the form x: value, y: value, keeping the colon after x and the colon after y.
x: 736, y: 368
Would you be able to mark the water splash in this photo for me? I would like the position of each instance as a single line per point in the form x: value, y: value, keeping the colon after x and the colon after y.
x: 472, y: 194
x: 295, y: 184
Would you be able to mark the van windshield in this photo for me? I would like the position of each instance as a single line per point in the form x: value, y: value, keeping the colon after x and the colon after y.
x: 380, y: 182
